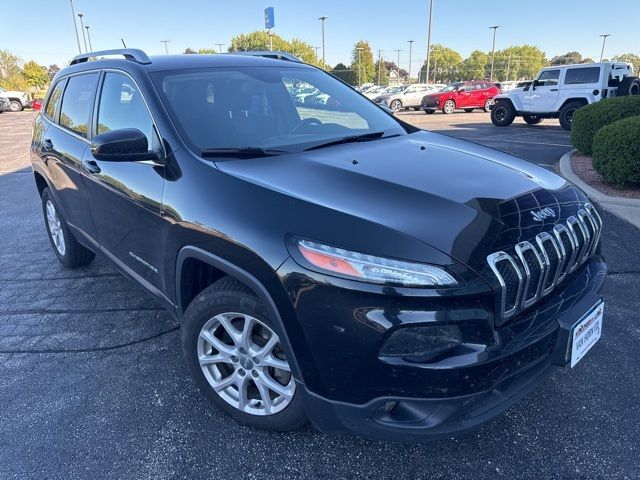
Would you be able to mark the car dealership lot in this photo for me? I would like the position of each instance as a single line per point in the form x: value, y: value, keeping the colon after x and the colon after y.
x: 92, y: 382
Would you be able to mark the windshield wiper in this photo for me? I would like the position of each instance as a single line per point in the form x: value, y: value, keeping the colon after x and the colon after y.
x: 352, y: 139
x: 243, y: 152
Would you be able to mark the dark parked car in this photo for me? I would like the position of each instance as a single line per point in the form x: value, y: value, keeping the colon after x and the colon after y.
x: 332, y: 264
x: 5, y: 105
x: 461, y: 95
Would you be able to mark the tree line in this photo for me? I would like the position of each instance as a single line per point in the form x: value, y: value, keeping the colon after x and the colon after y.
x: 28, y: 77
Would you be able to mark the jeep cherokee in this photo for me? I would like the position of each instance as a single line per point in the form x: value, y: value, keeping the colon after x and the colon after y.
x: 331, y: 264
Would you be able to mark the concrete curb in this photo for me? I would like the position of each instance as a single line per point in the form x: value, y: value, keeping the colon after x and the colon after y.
x: 626, y: 208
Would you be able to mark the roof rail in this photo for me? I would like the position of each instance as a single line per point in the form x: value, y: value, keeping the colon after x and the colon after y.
x: 269, y: 54
x: 133, y: 54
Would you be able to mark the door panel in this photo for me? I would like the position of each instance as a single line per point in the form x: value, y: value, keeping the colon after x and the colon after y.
x: 543, y: 93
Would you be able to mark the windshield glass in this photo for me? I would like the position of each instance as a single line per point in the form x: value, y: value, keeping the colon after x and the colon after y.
x: 453, y: 87
x: 288, y: 109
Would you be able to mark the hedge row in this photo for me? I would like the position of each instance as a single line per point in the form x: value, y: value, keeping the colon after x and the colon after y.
x: 616, y: 151
x: 588, y: 120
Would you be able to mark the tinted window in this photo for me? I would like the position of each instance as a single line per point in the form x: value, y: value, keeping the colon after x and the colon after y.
x: 121, y: 106
x: 549, y: 77
x: 77, y: 103
x: 54, y: 100
x: 575, y: 76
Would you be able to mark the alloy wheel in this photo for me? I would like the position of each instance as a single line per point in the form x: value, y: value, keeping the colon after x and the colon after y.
x: 15, y: 106
x: 500, y: 114
x: 243, y: 361
x: 568, y: 116
x: 55, y: 228
x: 395, y: 105
x: 449, y: 106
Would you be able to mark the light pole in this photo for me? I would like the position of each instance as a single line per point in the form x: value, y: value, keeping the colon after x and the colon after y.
x: 316, y: 49
x: 80, y: 15
x: 166, y: 48
x: 220, y: 45
x: 75, y: 26
x: 88, y: 37
x: 379, y: 64
x: 359, y: 49
x: 493, y: 49
x: 410, y: 42
x: 322, y: 19
x: 604, y: 40
x: 398, y: 64
x: 429, y: 41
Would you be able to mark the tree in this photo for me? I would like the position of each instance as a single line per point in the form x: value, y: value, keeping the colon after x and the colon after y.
x: 362, y: 62
x: 189, y: 51
x: 260, y: 40
x: 35, y: 75
x: 632, y: 58
x: 475, y: 66
x: 344, y: 73
x: 10, y: 72
x: 207, y: 51
x: 588, y: 60
x: 382, y: 74
x: 446, y: 65
x: 566, y: 59
x: 52, y: 71
x: 518, y: 62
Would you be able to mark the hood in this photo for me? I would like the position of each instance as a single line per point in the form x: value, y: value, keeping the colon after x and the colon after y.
x: 456, y: 196
x: 437, y: 94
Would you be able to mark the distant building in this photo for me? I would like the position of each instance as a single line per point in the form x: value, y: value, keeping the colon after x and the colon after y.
x: 394, y: 78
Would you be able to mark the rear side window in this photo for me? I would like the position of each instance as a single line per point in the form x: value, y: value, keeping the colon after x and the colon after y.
x: 549, y: 77
x: 77, y: 102
x: 577, y: 76
x: 54, y: 100
x: 121, y: 106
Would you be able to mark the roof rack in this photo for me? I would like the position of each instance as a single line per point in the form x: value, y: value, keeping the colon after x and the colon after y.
x: 269, y: 54
x: 132, y: 54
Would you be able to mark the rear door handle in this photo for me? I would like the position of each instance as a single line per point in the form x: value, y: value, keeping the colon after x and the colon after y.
x: 47, y: 144
x: 90, y: 166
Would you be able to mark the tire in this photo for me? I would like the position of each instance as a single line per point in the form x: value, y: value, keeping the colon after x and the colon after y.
x: 395, y: 105
x: 218, y: 310
x: 416, y: 108
x: 566, y: 114
x: 65, y: 246
x: 531, y: 119
x: 628, y: 86
x: 488, y: 105
x: 468, y: 110
x: 429, y: 111
x: 449, y: 107
x: 503, y: 114
x: 16, y: 106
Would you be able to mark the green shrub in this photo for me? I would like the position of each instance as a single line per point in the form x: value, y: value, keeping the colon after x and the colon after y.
x: 591, y: 118
x: 616, y: 151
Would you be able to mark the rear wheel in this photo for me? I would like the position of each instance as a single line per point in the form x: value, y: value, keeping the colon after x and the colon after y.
x: 488, y: 104
x: 429, y: 111
x: 531, y: 119
x: 629, y: 86
x: 237, y: 358
x: 566, y: 114
x: 395, y: 105
x: 449, y: 107
x: 503, y: 114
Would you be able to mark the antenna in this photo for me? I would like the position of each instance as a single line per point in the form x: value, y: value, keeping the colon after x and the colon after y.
x: 123, y: 44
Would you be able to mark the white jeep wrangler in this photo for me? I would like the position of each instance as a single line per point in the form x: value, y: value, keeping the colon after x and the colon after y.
x: 557, y: 92
x: 18, y: 100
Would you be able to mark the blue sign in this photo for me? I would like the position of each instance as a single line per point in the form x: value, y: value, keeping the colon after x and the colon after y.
x: 269, y: 19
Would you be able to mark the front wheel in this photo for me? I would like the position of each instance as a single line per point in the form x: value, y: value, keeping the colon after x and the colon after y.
x: 449, y: 107
x: 396, y: 105
x: 16, y: 106
x: 531, y: 119
x: 237, y: 358
x: 503, y: 114
x: 566, y: 114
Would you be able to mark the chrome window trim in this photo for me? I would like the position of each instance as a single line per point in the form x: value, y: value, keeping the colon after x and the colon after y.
x: 493, y: 260
x: 521, y: 248
x: 541, y: 238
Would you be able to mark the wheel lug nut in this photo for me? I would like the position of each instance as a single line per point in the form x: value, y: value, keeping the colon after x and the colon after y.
x: 254, y: 373
x: 241, y: 372
x: 256, y: 360
x: 243, y: 351
x: 234, y: 359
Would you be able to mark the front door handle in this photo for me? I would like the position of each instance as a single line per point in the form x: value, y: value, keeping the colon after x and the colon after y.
x: 90, y: 166
x: 553, y: 90
x: 47, y: 144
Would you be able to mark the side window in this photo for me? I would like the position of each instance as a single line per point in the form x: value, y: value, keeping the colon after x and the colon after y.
x: 121, y: 106
x: 549, y: 77
x: 54, y: 100
x: 77, y: 102
x: 577, y: 76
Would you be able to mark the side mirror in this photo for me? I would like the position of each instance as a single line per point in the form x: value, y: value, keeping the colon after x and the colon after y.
x: 123, y: 145
x: 386, y: 109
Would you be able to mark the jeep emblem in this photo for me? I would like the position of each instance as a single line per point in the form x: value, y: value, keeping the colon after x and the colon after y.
x: 540, y: 215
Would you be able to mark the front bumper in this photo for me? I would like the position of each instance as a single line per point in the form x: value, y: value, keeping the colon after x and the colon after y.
x: 430, y: 103
x: 358, y: 391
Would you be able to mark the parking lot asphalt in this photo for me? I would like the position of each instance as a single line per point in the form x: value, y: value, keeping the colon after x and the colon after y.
x: 92, y: 383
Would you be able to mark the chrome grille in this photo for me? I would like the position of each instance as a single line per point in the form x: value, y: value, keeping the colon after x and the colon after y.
x: 536, y: 269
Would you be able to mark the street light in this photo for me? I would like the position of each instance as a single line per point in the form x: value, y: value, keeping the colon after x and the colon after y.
x: 322, y: 19
x: 80, y: 15
x: 410, y: 42
x: 398, y: 64
x: 75, y: 26
x: 166, y: 49
x: 359, y: 49
x: 604, y: 40
x: 316, y: 49
x: 429, y: 41
x: 220, y: 45
x: 88, y: 37
x: 493, y: 49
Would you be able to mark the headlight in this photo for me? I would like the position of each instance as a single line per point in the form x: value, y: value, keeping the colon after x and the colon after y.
x: 374, y: 269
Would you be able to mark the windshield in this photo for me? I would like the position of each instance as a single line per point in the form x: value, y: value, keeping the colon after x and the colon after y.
x: 453, y: 87
x: 285, y: 109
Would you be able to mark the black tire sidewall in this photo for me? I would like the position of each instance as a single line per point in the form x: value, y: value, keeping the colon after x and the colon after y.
x: 509, y: 112
x: 208, y: 304
x: 563, y: 112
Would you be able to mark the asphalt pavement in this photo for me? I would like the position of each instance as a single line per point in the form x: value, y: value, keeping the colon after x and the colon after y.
x: 92, y: 383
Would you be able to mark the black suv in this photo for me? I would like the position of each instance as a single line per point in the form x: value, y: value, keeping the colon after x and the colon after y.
x: 327, y: 262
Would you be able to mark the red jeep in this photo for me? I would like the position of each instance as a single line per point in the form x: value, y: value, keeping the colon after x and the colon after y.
x: 465, y: 95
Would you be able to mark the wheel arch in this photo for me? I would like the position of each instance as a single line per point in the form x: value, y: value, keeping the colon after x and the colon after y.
x: 583, y: 100
x: 41, y: 182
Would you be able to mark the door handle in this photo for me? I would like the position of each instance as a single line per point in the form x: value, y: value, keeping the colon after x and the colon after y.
x: 90, y: 166
x: 553, y: 90
x: 47, y: 144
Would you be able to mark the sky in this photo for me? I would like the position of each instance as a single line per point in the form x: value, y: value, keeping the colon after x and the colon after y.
x: 45, y: 31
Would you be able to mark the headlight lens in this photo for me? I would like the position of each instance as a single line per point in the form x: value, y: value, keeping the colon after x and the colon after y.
x: 374, y: 269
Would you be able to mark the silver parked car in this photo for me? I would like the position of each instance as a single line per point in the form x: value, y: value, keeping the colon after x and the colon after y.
x: 409, y: 97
